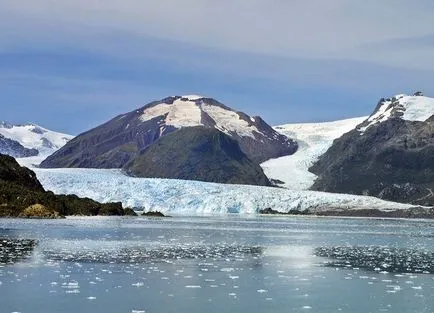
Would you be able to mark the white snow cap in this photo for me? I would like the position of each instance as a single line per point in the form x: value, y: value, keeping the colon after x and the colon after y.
x: 192, y: 97
x: 186, y: 111
x: 409, y: 108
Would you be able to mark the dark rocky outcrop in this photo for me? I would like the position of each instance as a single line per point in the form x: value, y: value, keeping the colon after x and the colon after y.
x: 153, y: 214
x: 22, y: 194
x: 122, y: 139
x: 198, y: 153
x: 392, y: 160
x: 12, y: 172
x: 270, y: 211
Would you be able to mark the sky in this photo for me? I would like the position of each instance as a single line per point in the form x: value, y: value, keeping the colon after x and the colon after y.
x: 71, y: 65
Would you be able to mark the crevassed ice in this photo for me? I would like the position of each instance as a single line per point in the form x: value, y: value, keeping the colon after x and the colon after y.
x: 192, y: 197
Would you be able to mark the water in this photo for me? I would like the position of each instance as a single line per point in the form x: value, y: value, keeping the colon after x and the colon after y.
x: 216, y: 264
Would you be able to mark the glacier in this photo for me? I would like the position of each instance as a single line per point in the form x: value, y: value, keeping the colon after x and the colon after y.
x: 179, y: 197
x: 313, y: 140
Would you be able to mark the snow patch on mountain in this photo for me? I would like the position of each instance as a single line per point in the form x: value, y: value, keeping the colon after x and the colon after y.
x: 187, y: 111
x: 228, y: 121
x: 196, y: 198
x: 410, y: 108
x: 313, y: 140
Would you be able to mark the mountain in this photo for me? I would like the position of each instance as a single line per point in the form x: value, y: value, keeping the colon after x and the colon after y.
x: 239, y: 142
x: 390, y: 155
x: 198, y: 153
x: 313, y: 141
x: 120, y: 140
x: 21, y: 194
x: 29, y: 140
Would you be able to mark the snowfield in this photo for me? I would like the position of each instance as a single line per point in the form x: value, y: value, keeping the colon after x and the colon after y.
x: 178, y: 197
x: 313, y: 140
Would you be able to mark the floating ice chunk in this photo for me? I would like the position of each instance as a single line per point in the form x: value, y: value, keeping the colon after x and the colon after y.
x: 227, y: 269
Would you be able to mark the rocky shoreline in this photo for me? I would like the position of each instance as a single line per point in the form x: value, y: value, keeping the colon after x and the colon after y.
x: 22, y: 195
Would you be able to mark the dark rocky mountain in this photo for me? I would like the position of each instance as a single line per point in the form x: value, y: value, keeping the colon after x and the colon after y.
x: 198, y: 153
x: 15, y: 149
x: 122, y: 139
x: 390, y: 155
x: 20, y: 191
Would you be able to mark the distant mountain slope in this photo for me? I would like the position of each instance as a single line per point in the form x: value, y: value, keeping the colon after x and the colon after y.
x: 29, y: 140
x: 120, y: 140
x: 15, y: 149
x: 198, y: 153
x: 390, y: 155
x: 313, y: 140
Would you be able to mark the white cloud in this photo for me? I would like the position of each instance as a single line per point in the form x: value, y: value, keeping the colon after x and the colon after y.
x: 330, y: 29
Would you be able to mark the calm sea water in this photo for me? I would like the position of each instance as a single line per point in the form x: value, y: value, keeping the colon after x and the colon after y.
x: 209, y: 264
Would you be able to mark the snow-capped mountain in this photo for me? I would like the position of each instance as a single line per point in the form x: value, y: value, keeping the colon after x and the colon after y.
x: 409, y: 108
x: 313, y: 141
x: 120, y: 140
x: 30, y: 140
x: 390, y: 155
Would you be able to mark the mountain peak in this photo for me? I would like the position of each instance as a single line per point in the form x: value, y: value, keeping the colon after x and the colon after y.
x: 194, y: 110
x: 410, y: 108
x: 192, y: 97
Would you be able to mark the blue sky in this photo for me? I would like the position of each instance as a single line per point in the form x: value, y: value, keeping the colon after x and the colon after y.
x: 71, y: 65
